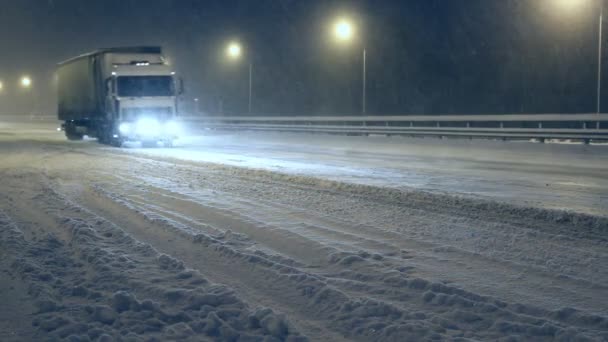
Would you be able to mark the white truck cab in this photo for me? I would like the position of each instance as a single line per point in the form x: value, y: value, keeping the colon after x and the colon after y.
x: 118, y: 95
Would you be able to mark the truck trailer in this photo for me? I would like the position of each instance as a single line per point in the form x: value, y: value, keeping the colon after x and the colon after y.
x: 118, y: 95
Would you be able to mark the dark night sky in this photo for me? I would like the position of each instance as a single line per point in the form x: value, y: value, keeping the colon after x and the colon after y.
x: 425, y: 56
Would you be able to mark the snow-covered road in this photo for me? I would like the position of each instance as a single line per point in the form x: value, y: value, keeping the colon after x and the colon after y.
x: 562, y: 176
x: 300, y: 237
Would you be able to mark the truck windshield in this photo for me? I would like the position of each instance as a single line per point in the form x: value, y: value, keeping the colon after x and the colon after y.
x: 137, y: 86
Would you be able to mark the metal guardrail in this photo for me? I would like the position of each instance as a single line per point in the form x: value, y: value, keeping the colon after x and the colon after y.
x: 586, y: 127
x: 415, y: 118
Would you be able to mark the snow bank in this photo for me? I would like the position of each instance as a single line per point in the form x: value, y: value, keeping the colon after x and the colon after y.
x: 587, y: 223
x: 104, y: 285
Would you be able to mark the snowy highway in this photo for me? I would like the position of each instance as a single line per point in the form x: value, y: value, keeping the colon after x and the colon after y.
x: 559, y: 176
x: 246, y: 236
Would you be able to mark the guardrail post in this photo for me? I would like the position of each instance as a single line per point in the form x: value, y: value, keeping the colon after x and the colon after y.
x: 584, y: 125
x: 502, y: 125
x: 540, y: 125
x: 597, y: 125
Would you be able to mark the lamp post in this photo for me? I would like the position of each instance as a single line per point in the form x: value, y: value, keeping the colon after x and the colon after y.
x: 569, y: 6
x: 344, y: 32
x: 26, y: 84
x: 599, y: 58
x: 234, y: 52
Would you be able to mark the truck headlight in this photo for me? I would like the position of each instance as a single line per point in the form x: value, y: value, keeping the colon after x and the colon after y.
x: 173, y: 128
x: 148, y: 127
x: 124, y: 128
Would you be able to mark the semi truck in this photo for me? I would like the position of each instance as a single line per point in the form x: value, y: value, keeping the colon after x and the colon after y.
x: 119, y: 95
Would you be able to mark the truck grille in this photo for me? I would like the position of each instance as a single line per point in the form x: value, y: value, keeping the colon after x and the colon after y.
x: 159, y: 113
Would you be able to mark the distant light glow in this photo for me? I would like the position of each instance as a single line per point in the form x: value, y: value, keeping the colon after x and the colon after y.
x: 570, y: 7
x: 570, y: 4
x: 1, y: 85
x: 26, y: 82
x: 344, y: 30
x: 124, y: 128
x: 234, y: 50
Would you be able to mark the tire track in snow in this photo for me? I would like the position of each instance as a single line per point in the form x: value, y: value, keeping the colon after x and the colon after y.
x: 450, y: 296
x: 470, y: 266
x: 91, y: 280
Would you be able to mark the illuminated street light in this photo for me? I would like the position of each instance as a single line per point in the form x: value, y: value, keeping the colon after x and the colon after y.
x: 1, y: 86
x: 572, y: 5
x: 344, y: 31
x: 599, y: 60
x: 234, y: 50
x: 26, y: 82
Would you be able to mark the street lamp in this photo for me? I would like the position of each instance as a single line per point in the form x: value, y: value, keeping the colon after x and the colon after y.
x: 26, y: 82
x: 571, y: 5
x: 599, y: 58
x: 234, y: 51
x: 344, y: 31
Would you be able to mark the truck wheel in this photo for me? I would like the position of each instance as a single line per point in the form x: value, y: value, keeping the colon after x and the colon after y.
x: 116, y: 142
x: 104, y: 136
x: 74, y: 137
x: 71, y: 134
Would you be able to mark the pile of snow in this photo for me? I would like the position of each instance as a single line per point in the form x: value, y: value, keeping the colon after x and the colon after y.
x: 105, y: 286
x: 441, y: 311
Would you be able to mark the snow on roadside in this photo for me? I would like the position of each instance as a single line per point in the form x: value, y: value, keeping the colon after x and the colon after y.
x: 103, y: 285
x: 442, y: 310
x: 90, y: 277
x: 542, y: 175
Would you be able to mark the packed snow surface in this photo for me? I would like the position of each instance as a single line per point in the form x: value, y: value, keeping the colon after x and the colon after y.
x: 270, y: 237
x: 552, y: 175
